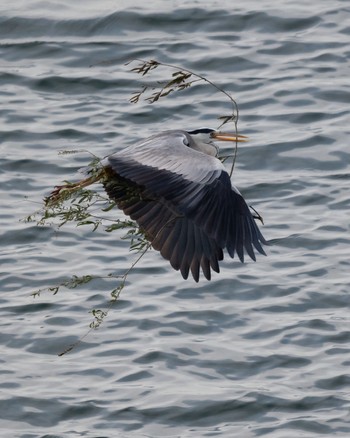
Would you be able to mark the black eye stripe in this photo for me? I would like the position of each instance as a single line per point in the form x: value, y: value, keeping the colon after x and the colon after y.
x: 201, y: 131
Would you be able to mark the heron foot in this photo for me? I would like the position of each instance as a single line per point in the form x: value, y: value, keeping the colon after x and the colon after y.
x: 61, y: 192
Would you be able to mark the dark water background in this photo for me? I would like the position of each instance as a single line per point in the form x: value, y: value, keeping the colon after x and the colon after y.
x: 263, y: 349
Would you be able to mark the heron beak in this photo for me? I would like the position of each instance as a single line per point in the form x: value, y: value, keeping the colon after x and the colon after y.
x: 228, y: 136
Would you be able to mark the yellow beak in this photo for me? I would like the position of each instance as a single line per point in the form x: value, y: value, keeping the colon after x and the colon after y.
x: 228, y: 136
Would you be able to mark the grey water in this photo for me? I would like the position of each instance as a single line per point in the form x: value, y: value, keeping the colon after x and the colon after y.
x: 262, y: 349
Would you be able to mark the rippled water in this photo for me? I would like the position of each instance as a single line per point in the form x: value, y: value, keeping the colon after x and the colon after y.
x: 263, y: 349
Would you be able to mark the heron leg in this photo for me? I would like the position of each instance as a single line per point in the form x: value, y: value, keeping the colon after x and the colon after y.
x: 61, y: 192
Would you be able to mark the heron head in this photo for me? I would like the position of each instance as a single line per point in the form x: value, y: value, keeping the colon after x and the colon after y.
x: 204, y: 139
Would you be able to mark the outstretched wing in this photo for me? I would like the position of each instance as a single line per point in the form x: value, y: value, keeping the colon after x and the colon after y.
x: 177, y: 238
x: 186, y: 204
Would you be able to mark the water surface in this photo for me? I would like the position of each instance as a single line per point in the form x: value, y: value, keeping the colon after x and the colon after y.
x: 262, y: 349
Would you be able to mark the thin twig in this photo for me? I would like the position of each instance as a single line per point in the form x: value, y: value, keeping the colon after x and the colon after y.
x: 150, y: 65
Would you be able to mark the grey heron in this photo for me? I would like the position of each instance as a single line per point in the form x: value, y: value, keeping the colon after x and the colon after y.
x: 180, y: 194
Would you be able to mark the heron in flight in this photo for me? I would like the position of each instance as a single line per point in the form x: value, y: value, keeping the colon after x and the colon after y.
x: 178, y: 191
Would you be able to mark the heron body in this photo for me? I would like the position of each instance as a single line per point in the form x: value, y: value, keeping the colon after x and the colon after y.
x: 180, y: 194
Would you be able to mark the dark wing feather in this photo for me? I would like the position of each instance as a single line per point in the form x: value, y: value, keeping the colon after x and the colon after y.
x: 177, y: 238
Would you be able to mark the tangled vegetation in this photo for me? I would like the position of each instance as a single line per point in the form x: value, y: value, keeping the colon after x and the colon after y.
x: 74, y: 203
